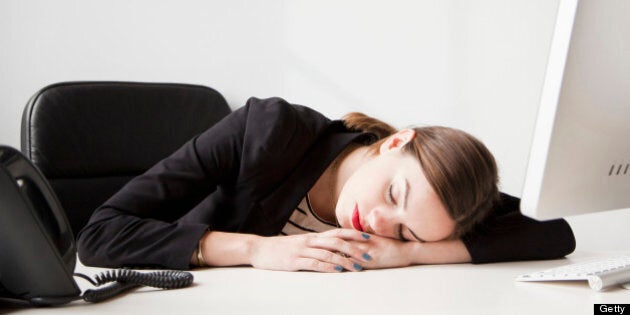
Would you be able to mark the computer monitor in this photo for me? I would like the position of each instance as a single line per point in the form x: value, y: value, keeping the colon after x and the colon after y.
x: 580, y: 155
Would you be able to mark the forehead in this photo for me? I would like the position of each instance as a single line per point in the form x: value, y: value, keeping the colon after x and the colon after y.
x: 404, y: 168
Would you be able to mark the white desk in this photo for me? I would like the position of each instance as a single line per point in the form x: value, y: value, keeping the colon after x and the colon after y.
x: 438, y: 289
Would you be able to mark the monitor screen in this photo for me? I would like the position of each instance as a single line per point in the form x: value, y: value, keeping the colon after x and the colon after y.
x: 580, y: 156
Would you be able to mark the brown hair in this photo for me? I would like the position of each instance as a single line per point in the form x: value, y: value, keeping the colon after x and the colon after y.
x: 460, y: 168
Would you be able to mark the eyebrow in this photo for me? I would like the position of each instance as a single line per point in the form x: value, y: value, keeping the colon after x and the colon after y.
x: 406, y: 193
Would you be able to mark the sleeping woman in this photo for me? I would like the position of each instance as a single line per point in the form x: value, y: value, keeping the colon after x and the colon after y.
x: 279, y: 186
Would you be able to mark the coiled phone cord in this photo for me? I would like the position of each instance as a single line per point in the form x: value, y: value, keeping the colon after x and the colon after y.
x: 124, y: 280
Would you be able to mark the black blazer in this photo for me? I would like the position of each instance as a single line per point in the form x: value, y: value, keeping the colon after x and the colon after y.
x: 247, y: 174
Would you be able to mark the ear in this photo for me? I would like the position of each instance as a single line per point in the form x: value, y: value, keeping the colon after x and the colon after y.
x: 397, y: 141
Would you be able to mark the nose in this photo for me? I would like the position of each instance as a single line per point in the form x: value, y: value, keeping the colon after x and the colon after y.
x: 382, y: 222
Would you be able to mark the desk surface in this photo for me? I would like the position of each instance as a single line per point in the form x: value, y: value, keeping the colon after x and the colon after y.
x: 434, y: 289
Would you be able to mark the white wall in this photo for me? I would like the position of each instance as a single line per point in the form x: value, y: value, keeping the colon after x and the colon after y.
x: 475, y: 65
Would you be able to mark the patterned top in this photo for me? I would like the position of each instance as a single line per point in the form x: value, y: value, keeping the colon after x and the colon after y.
x: 305, y: 220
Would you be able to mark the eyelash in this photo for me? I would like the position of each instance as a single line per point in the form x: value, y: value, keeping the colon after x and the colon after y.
x: 391, y: 196
x: 400, y: 233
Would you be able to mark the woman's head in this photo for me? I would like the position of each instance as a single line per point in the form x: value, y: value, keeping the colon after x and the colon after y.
x: 461, y: 170
x: 427, y: 183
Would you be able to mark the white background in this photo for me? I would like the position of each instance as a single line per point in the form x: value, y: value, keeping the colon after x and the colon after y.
x: 474, y: 65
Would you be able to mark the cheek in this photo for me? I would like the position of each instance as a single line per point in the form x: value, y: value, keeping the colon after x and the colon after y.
x: 361, y: 189
x: 355, y: 191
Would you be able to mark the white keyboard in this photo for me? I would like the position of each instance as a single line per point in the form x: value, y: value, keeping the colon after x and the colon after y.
x: 599, y: 273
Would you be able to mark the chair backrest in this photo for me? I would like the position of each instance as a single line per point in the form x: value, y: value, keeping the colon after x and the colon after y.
x: 90, y: 138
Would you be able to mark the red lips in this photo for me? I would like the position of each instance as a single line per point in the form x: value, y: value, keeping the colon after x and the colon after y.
x: 356, y: 220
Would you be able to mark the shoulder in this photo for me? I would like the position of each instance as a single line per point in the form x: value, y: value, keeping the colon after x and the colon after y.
x: 277, y: 125
x: 272, y: 111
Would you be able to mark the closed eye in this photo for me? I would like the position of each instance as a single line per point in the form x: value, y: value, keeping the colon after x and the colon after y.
x: 400, y: 233
x: 391, y: 195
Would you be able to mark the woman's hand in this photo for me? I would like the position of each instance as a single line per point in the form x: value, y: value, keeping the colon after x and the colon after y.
x: 387, y: 252
x: 321, y: 252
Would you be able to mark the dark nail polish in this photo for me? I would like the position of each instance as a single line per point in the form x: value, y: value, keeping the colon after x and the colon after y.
x: 365, y: 236
x: 338, y: 268
x: 357, y: 267
x: 367, y: 257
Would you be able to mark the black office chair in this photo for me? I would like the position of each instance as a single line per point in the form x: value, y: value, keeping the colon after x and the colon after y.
x: 90, y: 138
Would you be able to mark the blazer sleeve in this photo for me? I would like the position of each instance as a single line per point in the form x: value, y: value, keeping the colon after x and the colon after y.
x: 138, y: 225
x: 507, y: 235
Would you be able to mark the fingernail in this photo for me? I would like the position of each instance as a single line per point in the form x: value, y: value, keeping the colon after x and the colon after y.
x: 365, y: 236
x: 357, y: 267
x: 338, y: 268
x: 367, y: 257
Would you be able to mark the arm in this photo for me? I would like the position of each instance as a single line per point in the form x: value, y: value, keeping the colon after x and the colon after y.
x: 155, y: 219
x: 442, y: 252
x: 221, y: 249
x: 507, y: 235
x: 139, y: 226
x: 312, y: 251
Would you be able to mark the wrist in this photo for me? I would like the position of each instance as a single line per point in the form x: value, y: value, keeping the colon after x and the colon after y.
x: 200, y: 259
x: 415, y: 253
x: 440, y: 252
x: 197, y: 259
x: 252, y: 244
x: 227, y: 249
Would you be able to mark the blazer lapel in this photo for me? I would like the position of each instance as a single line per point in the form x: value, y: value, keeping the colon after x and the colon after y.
x: 268, y: 216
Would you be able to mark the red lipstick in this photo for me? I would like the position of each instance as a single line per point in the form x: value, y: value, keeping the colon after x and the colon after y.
x: 356, y: 219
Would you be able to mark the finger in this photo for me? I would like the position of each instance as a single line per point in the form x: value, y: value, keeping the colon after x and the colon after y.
x: 312, y: 264
x: 335, y: 244
x: 332, y: 258
x: 347, y: 234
